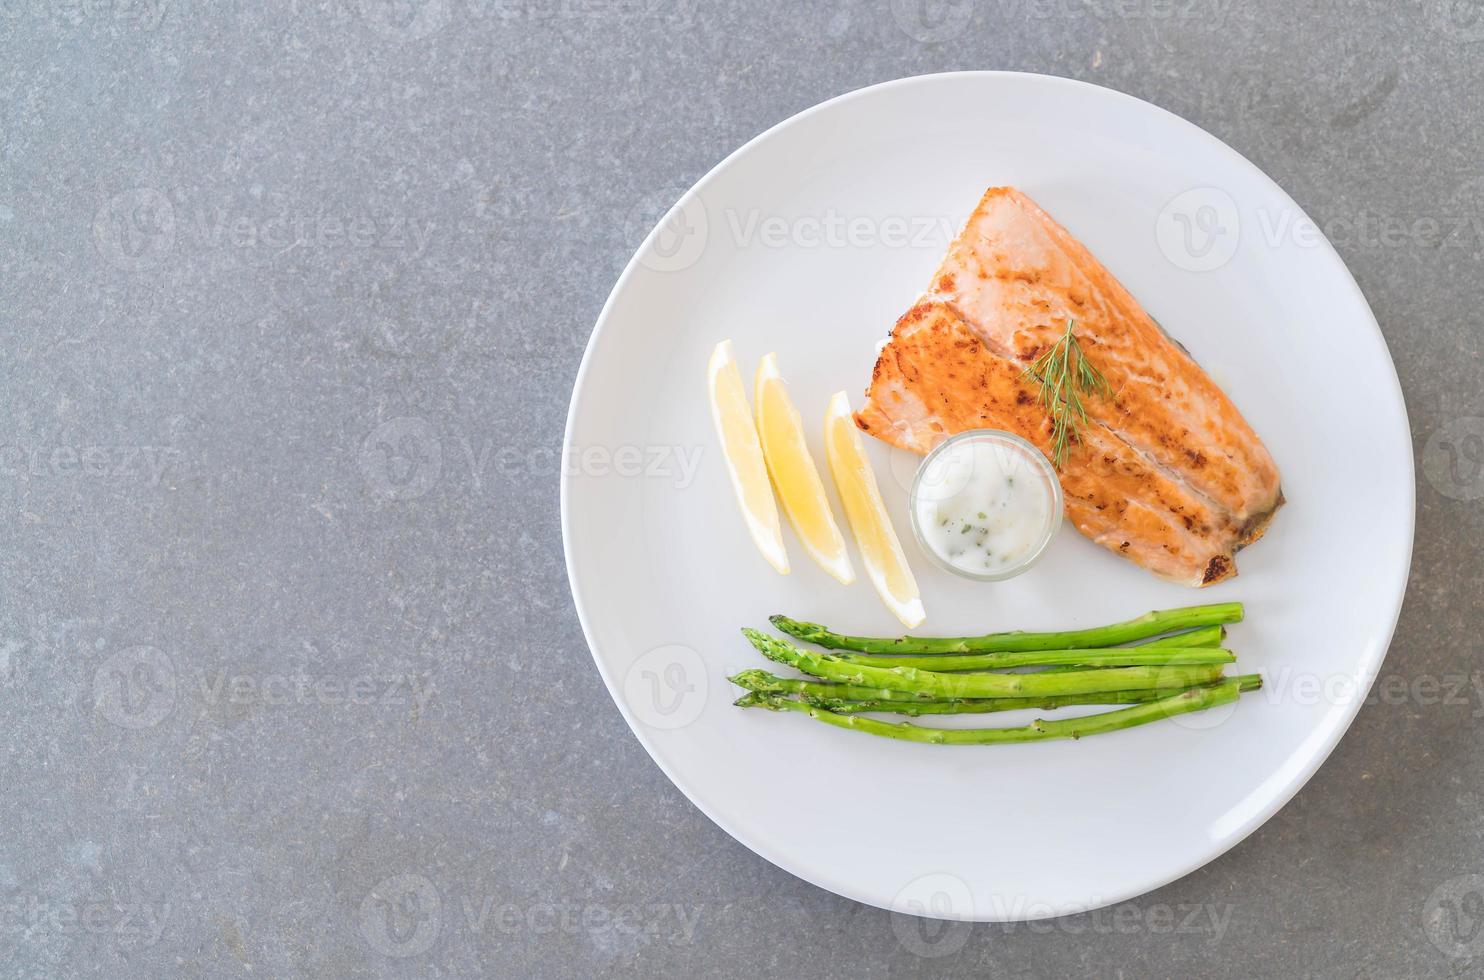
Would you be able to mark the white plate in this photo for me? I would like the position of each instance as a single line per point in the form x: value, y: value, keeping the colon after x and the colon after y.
x: 810, y: 241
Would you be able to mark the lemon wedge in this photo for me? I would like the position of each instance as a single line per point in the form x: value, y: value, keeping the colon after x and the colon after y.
x: 744, y: 455
x: 886, y: 565
x: 795, y: 477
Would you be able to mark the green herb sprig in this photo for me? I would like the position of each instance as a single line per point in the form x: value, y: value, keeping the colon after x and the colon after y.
x: 1064, y: 374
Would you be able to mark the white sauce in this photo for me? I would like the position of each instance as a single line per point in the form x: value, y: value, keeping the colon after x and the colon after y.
x: 984, y: 506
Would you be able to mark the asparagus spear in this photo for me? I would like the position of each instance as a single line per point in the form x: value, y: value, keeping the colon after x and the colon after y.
x: 894, y: 704
x: 1149, y: 624
x: 913, y: 681
x: 1115, y: 657
x: 763, y: 682
x: 1194, y: 699
x: 1206, y: 636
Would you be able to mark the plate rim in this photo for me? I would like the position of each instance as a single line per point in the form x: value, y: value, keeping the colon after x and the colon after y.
x: 1253, y: 822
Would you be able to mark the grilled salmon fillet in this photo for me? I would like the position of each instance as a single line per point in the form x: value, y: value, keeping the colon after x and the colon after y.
x: 1168, y: 472
x: 1017, y: 277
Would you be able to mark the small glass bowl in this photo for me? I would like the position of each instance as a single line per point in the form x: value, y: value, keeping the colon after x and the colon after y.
x: 1024, y: 456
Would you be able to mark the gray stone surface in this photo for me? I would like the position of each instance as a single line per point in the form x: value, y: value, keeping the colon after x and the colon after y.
x: 292, y: 688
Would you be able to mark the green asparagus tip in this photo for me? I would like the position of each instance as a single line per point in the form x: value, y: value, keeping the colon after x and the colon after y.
x: 753, y: 679
x: 796, y: 627
x: 773, y: 649
x: 757, y: 638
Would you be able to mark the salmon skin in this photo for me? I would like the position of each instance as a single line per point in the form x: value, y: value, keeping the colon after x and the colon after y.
x: 1167, y: 472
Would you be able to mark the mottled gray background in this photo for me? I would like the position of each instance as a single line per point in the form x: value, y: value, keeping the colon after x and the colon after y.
x: 292, y: 296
